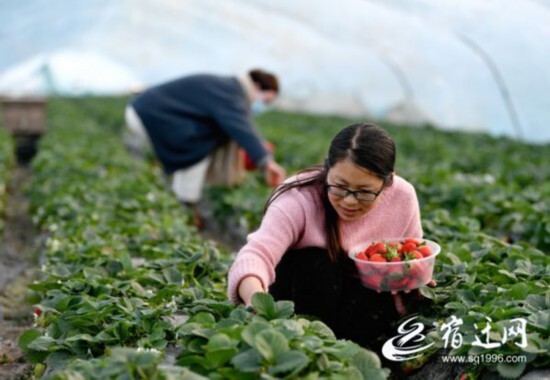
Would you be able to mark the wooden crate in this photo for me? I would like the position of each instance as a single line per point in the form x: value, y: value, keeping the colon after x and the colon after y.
x: 24, y: 117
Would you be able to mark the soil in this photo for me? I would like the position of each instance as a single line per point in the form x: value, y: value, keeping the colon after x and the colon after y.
x: 224, y: 233
x: 19, y: 247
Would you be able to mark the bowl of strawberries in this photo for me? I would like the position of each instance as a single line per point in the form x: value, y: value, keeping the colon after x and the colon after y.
x: 395, y: 264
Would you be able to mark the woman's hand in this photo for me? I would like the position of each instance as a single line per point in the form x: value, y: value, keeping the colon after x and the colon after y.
x: 248, y: 287
x: 398, y: 300
x: 274, y: 173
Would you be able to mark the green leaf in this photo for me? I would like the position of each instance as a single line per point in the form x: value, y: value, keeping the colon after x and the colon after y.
x: 344, y: 349
x: 285, y: 309
x: 264, y: 305
x: 427, y: 292
x: 510, y: 371
x: 524, y: 267
x: 193, y: 360
x: 59, y: 359
x: 540, y: 319
x: 456, y: 306
x: 155, y: 278
x: 519, y: 291
x: 42, y: 343
x: 140, y: 291
x: 270, y: 343
x: 535, y: 344
x: 28, y: 337
x: 291, y: 328
x: 172, y: 275
x: 366, y: 360
x: 537, y: 302
x: 507, y: 274
x: 220, y: 341
x: 290, y: 361
x: 36, y: 357
x: 249, y: 332
x: 321, y: 329
x: 217, y: 358
x: 197, y: 344
x: 248, y: 361
x: 84, y: 337
x: 192, y: 329
x: 125, y: 260
x: 114, y: 267
x: 61, y: 270
x: 453, y: 258
x: 203, y: 318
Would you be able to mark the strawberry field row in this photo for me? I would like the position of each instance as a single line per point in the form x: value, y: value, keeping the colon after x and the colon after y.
x: 129, y: 290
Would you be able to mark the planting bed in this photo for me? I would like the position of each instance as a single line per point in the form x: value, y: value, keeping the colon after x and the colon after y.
x: 18, y: 261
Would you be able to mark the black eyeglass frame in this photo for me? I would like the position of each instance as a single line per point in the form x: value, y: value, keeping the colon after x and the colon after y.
x: 355, y: 193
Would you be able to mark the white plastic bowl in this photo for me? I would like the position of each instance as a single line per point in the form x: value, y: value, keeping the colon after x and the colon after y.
x: 395, y: 276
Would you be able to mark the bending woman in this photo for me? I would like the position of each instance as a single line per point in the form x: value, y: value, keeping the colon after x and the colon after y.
x: 299, y: 253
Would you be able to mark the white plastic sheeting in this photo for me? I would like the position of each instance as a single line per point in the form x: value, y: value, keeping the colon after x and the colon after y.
x: 458, y: 64
x: 69, y: 73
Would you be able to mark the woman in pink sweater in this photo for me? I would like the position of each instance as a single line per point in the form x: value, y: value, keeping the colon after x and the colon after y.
x: 299, y: 252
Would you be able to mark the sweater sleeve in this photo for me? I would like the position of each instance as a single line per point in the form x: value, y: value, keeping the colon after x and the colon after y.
x: 281, y: 228
x: 233, y: 118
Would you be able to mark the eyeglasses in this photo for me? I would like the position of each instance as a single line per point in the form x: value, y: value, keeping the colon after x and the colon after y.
x: 360, y: 195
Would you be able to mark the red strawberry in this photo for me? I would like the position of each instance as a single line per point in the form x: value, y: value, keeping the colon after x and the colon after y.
x: 372, y: 281
x: 395, y: 271
x: 416, y: 269
x: 380, y: 248
x: 398, y: 246
x: 378, y: 258
x: 362, y: 256
x: 412, y: 241
x: 424, y: 250
x: 408, y: 247
x: 396, y: 259
x: 37, y: 312
x: 370, y: 250
x: 417, y: 255
x: 401, y: 283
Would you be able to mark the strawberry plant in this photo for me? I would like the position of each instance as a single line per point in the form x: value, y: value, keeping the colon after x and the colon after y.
x: 269, y: 343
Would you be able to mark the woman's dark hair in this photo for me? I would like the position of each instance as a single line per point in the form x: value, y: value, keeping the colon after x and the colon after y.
x: 266, y: 80
x: 367, y: 146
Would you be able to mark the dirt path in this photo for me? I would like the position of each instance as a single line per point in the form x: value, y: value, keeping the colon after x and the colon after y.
x: 18, y: 267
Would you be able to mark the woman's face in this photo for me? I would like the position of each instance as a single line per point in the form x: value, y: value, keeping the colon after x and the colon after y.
x: 347, y: 175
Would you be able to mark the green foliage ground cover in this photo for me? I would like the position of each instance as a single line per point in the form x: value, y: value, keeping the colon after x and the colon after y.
x: 103, y: 209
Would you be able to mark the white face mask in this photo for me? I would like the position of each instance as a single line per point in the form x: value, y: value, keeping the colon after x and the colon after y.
x: 258, y: 106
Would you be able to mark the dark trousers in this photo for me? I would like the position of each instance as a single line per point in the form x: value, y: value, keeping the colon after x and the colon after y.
x: 330, y: 292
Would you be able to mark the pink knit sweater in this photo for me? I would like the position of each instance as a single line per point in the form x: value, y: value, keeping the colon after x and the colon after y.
x: 296, y: 220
